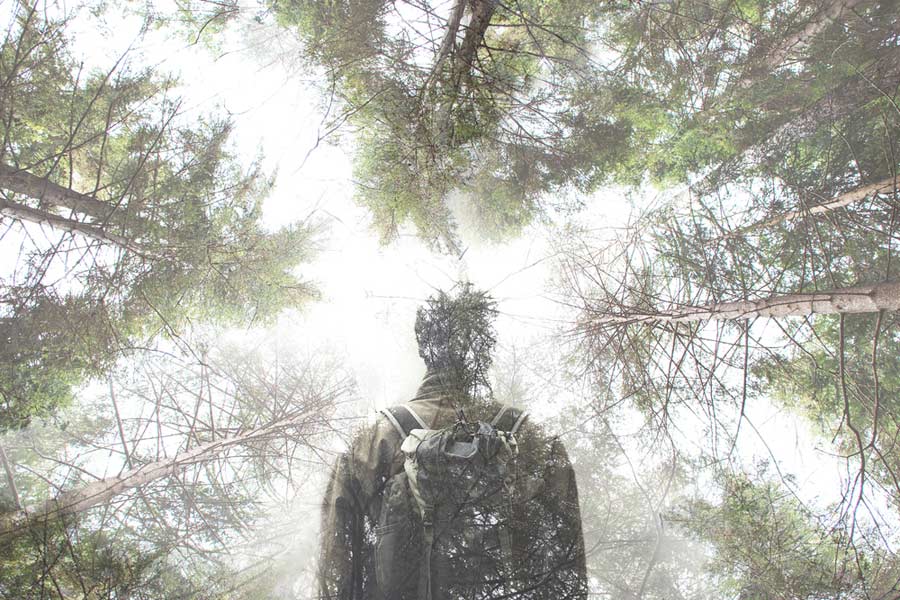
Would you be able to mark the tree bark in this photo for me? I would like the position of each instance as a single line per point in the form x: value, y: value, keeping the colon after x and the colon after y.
x: 798, y: 41
x: 482, y: 11
x: 449, y: 42
x: 448, y: 47
x: 41, y: 188
x: 850, y: 97
x: 103, y: 490
x: 856, y: 299
x: 464, y: 59
x: 43, y: 217
x: 10, y: 478
x: 885, y: 186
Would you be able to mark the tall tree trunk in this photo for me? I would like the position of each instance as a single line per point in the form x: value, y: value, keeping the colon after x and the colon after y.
x: 448, y: 45
x: 852, y: 95
x: 464, y: 60
x: 48, y: 192
x: 10, y: 479
x: 885, y: 186
x: 103, y: 490
x: 482, y: 11
x: 448, y: 48
x: 799, y: 40
x: 831, y: 12
x: 96, y: 232
x: 856, y: 299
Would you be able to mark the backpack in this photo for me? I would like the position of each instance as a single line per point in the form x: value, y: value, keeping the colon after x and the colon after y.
x: 445, y: 524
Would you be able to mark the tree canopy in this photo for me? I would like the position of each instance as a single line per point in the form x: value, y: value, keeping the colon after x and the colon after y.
x: 755, y: 284
x: 526, y: 107
x: 126, y: 218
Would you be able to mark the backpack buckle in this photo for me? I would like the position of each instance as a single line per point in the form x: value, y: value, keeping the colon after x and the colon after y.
x: 427, y: 516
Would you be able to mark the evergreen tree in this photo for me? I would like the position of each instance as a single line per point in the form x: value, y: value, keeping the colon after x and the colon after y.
x: 165, y: 499
x: 524, y: 108
x: 126, y: 222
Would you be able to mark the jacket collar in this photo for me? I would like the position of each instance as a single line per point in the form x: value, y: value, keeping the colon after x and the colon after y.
x: 431, y: 386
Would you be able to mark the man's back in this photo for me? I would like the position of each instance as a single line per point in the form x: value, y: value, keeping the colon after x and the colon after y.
x: 364, y: 557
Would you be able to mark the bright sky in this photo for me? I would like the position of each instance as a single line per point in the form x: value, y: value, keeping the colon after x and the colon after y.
x: 370, y: 292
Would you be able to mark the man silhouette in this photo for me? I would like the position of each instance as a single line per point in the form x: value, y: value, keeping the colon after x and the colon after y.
x: 527, y: 544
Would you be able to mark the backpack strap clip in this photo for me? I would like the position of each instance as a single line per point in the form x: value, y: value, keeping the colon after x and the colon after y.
x: 404, y: 419
x: 509, y: 419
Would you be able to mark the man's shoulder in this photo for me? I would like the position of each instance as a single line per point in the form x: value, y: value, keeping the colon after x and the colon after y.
x: 435, y: 414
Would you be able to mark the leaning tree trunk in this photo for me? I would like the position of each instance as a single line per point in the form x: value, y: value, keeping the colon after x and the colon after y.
x: 55, y: 198
x: 10, y: 479
x: 448, y: 45
x: 852, y: 95
x: 885, y: 186
x: 800, y: 40
x: 463, y: 60
x: 856, y: 299
x: 49, y: 193
x: 482, y: 11
x: 89, y: 230
x: 98, y: 492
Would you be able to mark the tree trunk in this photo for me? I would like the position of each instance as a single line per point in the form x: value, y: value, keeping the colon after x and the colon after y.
x: 856, y: 299
x: 482, y: 11
x: 43, y: 217
x: 103, y: 490
x: 448, y: 47
x: 449, y: 42
x: 800, y: 40
x: 885, y: 186
x: 853, y: 95
x: 41, y: 188
x: 464, y: 59
x: 10, y: 479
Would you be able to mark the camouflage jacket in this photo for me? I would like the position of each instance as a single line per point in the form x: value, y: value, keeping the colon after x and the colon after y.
x: 547, y: 547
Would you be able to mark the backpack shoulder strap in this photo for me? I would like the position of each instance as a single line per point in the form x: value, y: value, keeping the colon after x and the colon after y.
x: 509, y: 418
x: 403, y: 418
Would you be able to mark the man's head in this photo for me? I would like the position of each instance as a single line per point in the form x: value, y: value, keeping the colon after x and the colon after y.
x: 456, y: 337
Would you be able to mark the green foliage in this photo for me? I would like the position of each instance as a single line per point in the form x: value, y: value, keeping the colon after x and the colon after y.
x: 46, y: 351
x: 767, y: 544
x: 410, y: 191
x: 336, y: 34
x: 456, y: 338
x: 180, y: 534
x: 846, y: 380
x: 555, y: 97
x: 763, y: 134
x: 431, y: 124
x: 194, y: 248
x: 64, y: 560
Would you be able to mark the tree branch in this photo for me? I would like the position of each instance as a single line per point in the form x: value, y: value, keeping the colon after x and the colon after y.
x: 103, y: 490
x: 41, y: 188
x: 856, y: 299
x: 41, y: 217
x: 886, y: 186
